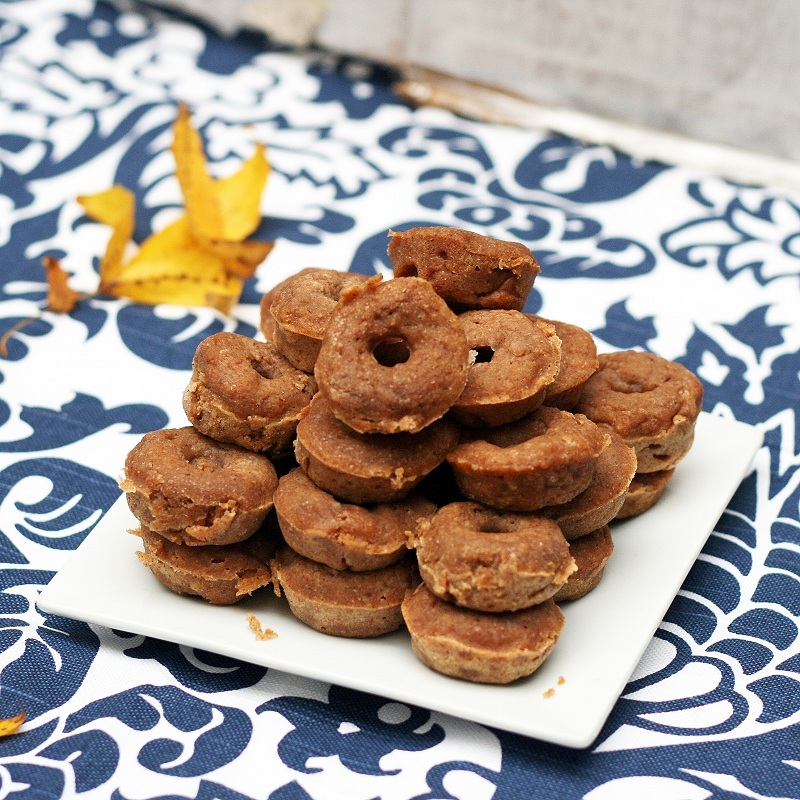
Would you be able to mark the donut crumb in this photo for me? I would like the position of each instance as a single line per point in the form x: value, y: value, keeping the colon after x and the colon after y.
x: 549, y: 693
x: 561, y: 679
x: 262, y: 634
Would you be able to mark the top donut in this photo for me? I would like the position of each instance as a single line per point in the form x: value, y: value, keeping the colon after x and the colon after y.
x: 467, y: 270
x: 394, y: 357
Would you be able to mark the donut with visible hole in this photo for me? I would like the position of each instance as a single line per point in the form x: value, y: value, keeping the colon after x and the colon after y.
x: 490, y: 560
x: 516, y: 359
x: 394, y: 357
x: 246, y: 392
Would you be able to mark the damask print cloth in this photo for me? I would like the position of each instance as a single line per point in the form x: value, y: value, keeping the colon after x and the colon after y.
x: 645, y: 256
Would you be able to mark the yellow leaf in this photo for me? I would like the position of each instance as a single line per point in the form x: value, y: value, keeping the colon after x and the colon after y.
x: 239, y: 196
x: 115, y: 207
x: 241, y: 258
x: 185, y: 276
x: 60, y: 298
x: 228, y: 209
x: 183, y: 291
x: 197, y: 186
x: 12, y: 724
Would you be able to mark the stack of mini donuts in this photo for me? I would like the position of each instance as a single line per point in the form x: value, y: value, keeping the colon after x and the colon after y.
x: 446, y: 461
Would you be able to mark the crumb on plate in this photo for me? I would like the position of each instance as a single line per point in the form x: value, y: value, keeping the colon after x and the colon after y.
x: 262, y: 634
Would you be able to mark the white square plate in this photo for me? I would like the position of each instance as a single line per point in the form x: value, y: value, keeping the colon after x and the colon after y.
x: 605, y: 634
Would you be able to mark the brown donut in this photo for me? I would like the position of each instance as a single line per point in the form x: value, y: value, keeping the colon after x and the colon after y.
x: 367, y: 467
x: 602, y: 499
x: 591, y: 552
x: 195, y: 490
x: 220, y: 574
x: 578, y: 364
x: 267, y: 321
x: 345, y: 536
x: 340, y: 602
x: 246, y: 392
x: 544, y: 459
x: 650, y: 402
x: 301, y: 309
x: 476, y: 645
x: 516, y: 359
x: 373, y: 394
x: 644, y: 492
x: 490, y: 560
x: 467, y: 269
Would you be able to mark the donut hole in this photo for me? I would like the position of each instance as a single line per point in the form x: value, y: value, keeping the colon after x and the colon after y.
x: 483, y: 354
x: 266, y: 371
x: 492, y: 525
x: 499, y: 277
x: 391, y: 352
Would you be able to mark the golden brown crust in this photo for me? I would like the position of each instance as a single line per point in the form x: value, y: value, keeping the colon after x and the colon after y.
x: 342, y: 535
x: 373, y: 394
x: 343, y: 603
x: 543, y: 459
x: 599, y: 503
x: 199, y: 490
x: 590, y: 552
x: 490, y: 560
x: 478, y: 646
x: 246, y: 392
x: 468, y: 270
x: 578, y: 363
x: 516, y: 359
x: 267, y: 321
x: 650, y: 402
x: 301, y: 309
x: 644, y: 492
x: 368, y: 467
x: 221, y: 575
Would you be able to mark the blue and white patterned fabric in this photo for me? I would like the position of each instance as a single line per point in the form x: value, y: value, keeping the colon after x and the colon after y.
x: 694, y: 268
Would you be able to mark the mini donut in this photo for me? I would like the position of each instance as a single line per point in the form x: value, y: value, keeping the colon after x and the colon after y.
x: 490, y: 560
x: 650, y: 402
x: 220, y: 574
x: 195, y: 490
x: 343, y: 536
x: 591, y: 552
x: 578, y: 364
x: 476, y: 645
x: 246, y: 392
x: 468, y: 270
x: 516, y: 359
x: 375, y: 394
x: 367, y: 467
x: 301, y: 308
x: 544, y: 459
x: 340, y: 602
x: 267, y: 321
x: 600, y: 502
x: 644, y: 492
